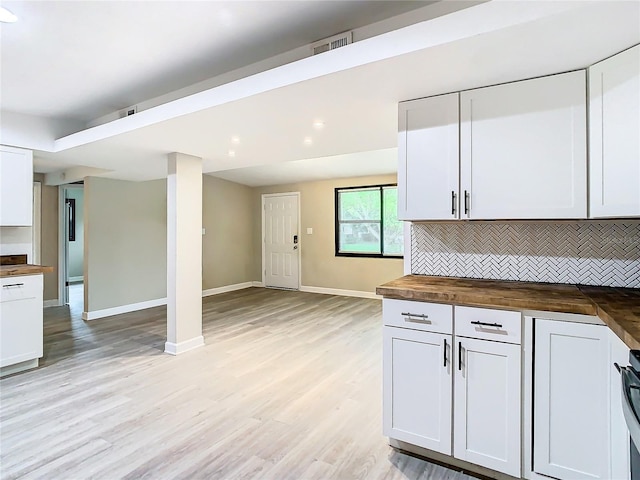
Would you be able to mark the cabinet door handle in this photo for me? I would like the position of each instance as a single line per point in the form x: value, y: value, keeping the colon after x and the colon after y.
x: 466, y: 202
x: 483, y: 324
x: 459, y: 355
x: 9, y: 285
x: 453, y: 202
x: 416, y: 318
x: 444, y: 353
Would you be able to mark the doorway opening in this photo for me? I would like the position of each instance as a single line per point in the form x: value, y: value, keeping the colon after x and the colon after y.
x: 281, y: 266
x: 71, y: 245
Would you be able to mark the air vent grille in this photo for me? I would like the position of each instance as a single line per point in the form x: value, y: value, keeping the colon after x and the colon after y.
x: 332, y: 43
x: 127, y: 112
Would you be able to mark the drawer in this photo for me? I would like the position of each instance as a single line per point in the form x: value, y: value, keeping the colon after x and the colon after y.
x: 21, y: 288
x: 487, y: 324
x: 430, y: 317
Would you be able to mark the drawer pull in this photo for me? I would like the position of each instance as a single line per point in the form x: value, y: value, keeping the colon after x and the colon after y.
x: 416, y: 318
x: 13, y: 285
x: 483, y: 324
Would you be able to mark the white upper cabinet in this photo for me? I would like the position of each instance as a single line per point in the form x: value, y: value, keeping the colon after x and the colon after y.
x: 428, y: 158
x: 614, y: 136
x: 523, y: 149
x: 512, y: 151
x: 16, y: 187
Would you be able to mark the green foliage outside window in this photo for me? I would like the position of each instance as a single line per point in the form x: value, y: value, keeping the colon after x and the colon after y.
x: 367, y: 221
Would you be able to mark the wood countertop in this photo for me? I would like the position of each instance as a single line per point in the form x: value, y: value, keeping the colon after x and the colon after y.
x: 16, y: 270
x: 619, y: 308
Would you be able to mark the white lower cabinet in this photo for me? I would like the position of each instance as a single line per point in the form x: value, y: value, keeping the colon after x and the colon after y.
x: 20, y: 319
x: 487, y: 404
x: 417, y: 388
x: 619, y: 444
x: 458, y: 390
x: 571, y: 400
x: 443, y: 390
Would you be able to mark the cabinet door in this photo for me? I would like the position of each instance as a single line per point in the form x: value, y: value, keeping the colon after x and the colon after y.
x: 614, y: 123
x: 619, y: 444
x: 16, y: 182
x: 417, y: 388
x: 487, y: 404
x: 571, y: 426
x: 523, y: 149
x: 428, y: 159
x: 20, y: 319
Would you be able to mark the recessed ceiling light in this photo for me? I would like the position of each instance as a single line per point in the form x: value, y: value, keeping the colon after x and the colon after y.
x: 232, y: 153
x: 235, y: 140
x: 318, y: 124
x: 6, y: 16
x: 307, y: 140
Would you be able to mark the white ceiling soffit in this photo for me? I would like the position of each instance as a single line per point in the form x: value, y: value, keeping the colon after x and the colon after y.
x: 148, y: 48
x: 378, y: 162
x: 487, y: 17
x: 358, y: 104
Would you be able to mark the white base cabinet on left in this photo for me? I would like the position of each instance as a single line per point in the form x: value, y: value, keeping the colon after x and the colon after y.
x: 417, y: 373
x: 20, y: 322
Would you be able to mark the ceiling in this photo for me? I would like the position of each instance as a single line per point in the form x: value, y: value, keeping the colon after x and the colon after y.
x: 354, y: 91
x: 80, y: 60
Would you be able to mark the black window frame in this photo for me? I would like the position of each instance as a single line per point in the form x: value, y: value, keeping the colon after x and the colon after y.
x: 337, y: 222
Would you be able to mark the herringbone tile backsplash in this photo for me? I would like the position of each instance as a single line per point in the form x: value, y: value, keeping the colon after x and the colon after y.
x: 588, y: 253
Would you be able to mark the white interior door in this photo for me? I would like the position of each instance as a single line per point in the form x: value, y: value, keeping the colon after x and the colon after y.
x: 65, y: 266
x: 281, y: 241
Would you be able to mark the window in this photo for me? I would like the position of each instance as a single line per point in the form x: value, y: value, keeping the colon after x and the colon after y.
x: 367, y: 222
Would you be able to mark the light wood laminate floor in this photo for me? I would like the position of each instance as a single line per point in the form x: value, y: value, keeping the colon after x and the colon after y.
x: 288, y: 385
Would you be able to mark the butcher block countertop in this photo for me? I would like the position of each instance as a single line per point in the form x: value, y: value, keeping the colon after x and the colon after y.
x: 619, y: 308
x: 16, y: 270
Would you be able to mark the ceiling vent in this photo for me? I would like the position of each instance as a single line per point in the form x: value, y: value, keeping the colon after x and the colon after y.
x: 127, y: 112
x: 332, y: 43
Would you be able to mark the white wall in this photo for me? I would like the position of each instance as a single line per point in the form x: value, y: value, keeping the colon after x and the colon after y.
x: 16, y: 241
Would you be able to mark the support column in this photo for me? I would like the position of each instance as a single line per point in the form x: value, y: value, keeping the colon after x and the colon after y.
x: 184, y: 253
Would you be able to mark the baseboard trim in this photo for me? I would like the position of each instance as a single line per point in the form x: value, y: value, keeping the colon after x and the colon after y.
x: 132, y: 307
x: 226, y: 288
x: 339, y: 291
x: 51, y: 303
x: 77, y: 279
x: 178, y: 348
x: 19, y: 367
